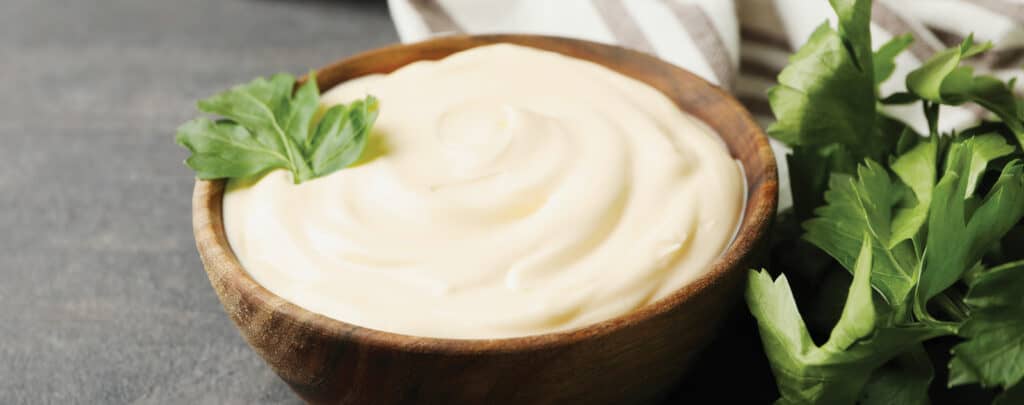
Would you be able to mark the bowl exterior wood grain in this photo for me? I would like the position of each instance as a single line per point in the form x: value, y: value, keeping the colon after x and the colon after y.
x: 634, y: 358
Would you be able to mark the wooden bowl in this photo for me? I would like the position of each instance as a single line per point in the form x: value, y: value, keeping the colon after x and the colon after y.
x: 634, y: 358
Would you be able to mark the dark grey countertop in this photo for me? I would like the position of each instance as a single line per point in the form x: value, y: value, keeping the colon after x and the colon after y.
x: 102, y: 296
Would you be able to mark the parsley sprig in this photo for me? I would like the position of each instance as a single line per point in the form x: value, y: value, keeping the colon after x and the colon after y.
x: 266, y: 125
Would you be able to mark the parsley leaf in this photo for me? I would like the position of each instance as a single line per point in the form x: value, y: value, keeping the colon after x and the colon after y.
x: 904, y: 381
x: 942, y: 80
x: 340, y: 137
x: 929, y: 80
x: 961, y: 227
x: 836, y: 372
x: 826, y: 106
x: 885, y: 57
x: 226, y: 149
x: 855, y: 29
x: 809, y: 171
x: 824, y: 97
x: 993, y: 353
x: 917, y: 169
x: 863, y: 205
x: 267, y: 126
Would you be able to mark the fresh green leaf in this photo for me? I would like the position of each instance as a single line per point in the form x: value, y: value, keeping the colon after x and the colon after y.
x: 252, y: 105
x: 341, y: 136
x: 837, y: 371
x: 917, y: 169
x: 855, y: 29
x: 907, y: 140
x: 1008, y: 249
x: 885, y: 57
x: 858, y: 318
x: 826, y: 107
x: 226, y: 149
x: 957, y: 238
x: 986, y: 148
x: 927, y: 80
x: 998, y: 287
x: 993, y: 352
x: 296, y: 117
x: 894, y: 135
x: 942, y: 80
x: 809, y: 171
x: 824, y: 98
x: 903, y: 381
x: 266, y: 126
x: 962, y: 86
x: 863, y: 205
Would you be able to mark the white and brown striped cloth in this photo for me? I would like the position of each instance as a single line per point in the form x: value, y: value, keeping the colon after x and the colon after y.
x: 740, y: 45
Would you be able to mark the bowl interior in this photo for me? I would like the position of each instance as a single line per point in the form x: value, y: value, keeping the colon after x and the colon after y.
x: 712, y: 105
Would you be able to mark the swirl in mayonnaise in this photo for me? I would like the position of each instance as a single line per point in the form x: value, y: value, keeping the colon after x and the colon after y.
x: 506, y: 191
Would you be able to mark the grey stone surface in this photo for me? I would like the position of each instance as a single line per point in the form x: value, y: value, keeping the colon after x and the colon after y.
x: 102, y: 296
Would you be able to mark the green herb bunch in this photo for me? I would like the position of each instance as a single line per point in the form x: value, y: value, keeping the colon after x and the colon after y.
x: 929, y: 225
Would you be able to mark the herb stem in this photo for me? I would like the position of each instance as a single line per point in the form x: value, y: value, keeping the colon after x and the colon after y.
x: 931, y: 113
x: 951, y: 306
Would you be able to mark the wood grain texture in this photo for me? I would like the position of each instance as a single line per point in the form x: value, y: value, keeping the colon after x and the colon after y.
x: 634, y: 358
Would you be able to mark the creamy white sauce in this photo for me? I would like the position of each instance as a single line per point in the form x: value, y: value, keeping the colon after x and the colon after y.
x: 507, y: 191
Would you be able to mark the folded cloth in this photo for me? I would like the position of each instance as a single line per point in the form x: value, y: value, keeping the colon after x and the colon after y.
x: 739, y: 45
x: 699, y: 35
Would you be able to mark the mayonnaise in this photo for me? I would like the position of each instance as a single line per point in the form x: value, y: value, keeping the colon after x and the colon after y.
x: 506, y: 191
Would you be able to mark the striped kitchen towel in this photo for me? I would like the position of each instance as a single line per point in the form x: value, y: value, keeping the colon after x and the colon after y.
x: 741, y: 45
x: 700, y: 35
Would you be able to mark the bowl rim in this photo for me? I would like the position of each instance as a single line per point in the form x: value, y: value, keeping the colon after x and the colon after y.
x: 222, y: 266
